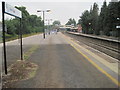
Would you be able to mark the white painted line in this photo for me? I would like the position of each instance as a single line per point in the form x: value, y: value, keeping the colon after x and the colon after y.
x: 101, y: 52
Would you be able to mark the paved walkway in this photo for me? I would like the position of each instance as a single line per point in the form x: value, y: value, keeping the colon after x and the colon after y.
x: 62, y: 66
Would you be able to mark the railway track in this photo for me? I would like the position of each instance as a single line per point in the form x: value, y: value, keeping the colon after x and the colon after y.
x: 109, y: 47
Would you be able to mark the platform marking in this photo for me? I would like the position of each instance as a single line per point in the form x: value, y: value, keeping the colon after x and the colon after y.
x: 93, y: 63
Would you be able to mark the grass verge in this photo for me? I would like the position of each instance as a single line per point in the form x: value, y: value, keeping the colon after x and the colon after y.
x: 24, y: 35
x: 20, y: 70
x: 29, y: 52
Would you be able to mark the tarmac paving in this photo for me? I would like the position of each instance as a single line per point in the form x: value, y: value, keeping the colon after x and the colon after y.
x: 61, y: 66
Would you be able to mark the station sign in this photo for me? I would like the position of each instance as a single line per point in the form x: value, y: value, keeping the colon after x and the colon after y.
x: 8, y: 9
x: 12, y: 11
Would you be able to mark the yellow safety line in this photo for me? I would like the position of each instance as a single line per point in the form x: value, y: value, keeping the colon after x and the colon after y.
x: 94, y: 64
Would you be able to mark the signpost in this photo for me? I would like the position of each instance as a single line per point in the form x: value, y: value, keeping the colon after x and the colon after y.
x: 8, y: 9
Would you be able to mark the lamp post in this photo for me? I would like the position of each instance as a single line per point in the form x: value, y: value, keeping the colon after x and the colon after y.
x: 117, y: 25
x: 89, y: 27
x: 43, y: 20
x: 49, y: 24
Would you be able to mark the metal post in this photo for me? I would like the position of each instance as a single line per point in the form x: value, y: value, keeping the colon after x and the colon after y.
x: 21, y: 39
x: 49, y: 26
x: 3, y: 31
x: 43, y: 25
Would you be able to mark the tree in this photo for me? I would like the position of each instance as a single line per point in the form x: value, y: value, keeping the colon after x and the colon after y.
x: 25, y: 20
x: 30, y: 23
x: 71, y: 22
x: 89, y: 20
x: 56, y: 22
x: 94, y: 15
x: 111, y: 19
x: 10, y: 27
x: 79, y: 22
x: 105, y: 23
x: 103, y: 18
x: 85, y: 21
x: 91, y: 17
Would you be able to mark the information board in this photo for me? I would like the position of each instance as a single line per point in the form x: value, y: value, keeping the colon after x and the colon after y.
x: 12, y: 11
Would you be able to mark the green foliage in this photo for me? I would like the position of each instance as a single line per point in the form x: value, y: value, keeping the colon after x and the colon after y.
x: 71, y: 22
x: 104, y: 23
x: 56, y: 22
x: 89, y: 20
x: 10, y: 24
x: 30, y: 23
x: 8, y: 36
x: 86, y: 21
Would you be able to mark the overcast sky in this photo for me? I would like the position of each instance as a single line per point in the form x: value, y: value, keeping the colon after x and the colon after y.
x: 61, y: 10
